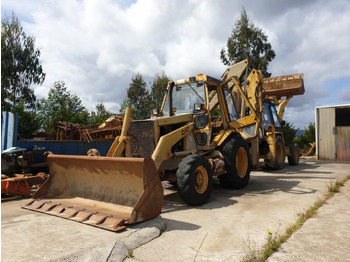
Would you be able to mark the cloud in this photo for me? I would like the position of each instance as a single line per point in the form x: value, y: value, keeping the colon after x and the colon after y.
x: 95, y: 46
x: 344, y: 96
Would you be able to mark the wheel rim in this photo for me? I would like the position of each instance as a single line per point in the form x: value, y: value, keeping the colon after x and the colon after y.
x: 241, y: 162
x: 201, y: 180
x: 279, y: 149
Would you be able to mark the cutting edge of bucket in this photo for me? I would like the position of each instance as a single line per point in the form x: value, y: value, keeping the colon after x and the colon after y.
x: 55, y: 208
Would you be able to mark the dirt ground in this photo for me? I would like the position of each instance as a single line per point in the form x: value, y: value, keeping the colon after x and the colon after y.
x: 229, y: 227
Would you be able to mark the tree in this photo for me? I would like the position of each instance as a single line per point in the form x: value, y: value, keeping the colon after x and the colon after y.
x: 20, y: 65
x: 289, y: 133
x: 248, y: 42
x: 138, y: 98
x: 307, y: 137
x: 126, y: 103
x: 29, y: 122
x: 100, y: 115
x: 159, y: 87
x: 61, y: 105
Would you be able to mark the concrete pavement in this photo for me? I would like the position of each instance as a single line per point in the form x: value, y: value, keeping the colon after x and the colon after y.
x: 227, y: 228
x: 326, y: 237
x: 235, y: 223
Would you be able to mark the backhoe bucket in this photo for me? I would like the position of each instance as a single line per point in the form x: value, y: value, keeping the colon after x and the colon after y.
x: 106, y: 192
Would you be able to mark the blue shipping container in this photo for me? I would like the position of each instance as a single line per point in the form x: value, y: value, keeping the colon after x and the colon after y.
x: 71, y: 147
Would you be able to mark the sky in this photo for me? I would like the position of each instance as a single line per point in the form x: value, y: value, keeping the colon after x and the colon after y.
x: 96, y: 46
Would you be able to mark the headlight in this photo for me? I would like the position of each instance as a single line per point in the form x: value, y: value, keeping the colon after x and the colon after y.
x: 201, y: 121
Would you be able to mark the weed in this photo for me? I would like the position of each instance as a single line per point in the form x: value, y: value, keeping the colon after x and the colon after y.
x: 335, y: 188
x: 254, y: 254
x: 274, y: 241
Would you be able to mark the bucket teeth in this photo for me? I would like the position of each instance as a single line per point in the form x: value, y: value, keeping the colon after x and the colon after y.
x: 70, y: 212
x: 82, y: 216
x: 96, y: 219
x: 48, y: 206
x: 77, y: 214
x: 36, y: 204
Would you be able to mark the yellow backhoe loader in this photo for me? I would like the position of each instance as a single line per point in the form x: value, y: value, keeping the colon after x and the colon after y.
x: 277, y: 92
x: 205, y: 127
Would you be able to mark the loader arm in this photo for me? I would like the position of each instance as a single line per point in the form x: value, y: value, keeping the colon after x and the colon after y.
x: 122, y: 143
x: 282, y: 106
x: 163, y: 150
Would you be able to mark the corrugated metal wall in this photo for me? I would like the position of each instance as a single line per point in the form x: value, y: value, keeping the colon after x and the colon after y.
x: 333, y: 142
x: 342, y: 142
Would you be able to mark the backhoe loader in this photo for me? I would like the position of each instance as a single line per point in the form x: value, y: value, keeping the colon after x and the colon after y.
x: 276, y: 92
x: 200, y: 132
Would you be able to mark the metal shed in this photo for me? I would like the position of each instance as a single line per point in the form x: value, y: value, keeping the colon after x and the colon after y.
x: 332, y: 125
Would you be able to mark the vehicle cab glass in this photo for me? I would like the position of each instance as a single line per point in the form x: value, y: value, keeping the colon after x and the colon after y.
x: 185, y: 97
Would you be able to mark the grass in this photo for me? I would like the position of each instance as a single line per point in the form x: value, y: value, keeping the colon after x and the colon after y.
x: 335, y: 188
x: 274, y: 241
x: 131, y: 253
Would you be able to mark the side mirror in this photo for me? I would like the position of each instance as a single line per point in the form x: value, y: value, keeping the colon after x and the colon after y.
x: 196, y: 108
x: 199, y: 107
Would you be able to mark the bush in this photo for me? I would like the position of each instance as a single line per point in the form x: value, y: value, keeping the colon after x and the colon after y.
x: 289, y: 133
x: 308, y: 137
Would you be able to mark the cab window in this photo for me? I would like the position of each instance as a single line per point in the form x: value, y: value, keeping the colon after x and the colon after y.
x: 230, y: 106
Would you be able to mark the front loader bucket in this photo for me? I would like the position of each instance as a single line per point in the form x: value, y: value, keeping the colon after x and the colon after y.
x: 106, y: 192
x: 288, y: 85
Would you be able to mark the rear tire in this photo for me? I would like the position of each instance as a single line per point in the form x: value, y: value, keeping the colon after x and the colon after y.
x: 293, y: 157
x: 237, y: 163
x: 280, y: 153
x: 194, y: 180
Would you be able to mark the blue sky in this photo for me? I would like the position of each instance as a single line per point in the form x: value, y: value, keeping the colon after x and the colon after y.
x: 338, y: 91
x: 95, y: 46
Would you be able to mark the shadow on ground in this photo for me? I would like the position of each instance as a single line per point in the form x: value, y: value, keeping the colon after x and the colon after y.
x: 262, y: 182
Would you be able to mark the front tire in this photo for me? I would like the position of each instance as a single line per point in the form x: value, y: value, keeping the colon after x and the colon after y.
x: 237, y: 163
x: 194, y: 180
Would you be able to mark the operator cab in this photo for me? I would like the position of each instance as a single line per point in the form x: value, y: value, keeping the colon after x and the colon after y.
x: 270, y: 117
x: 187, y: 98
